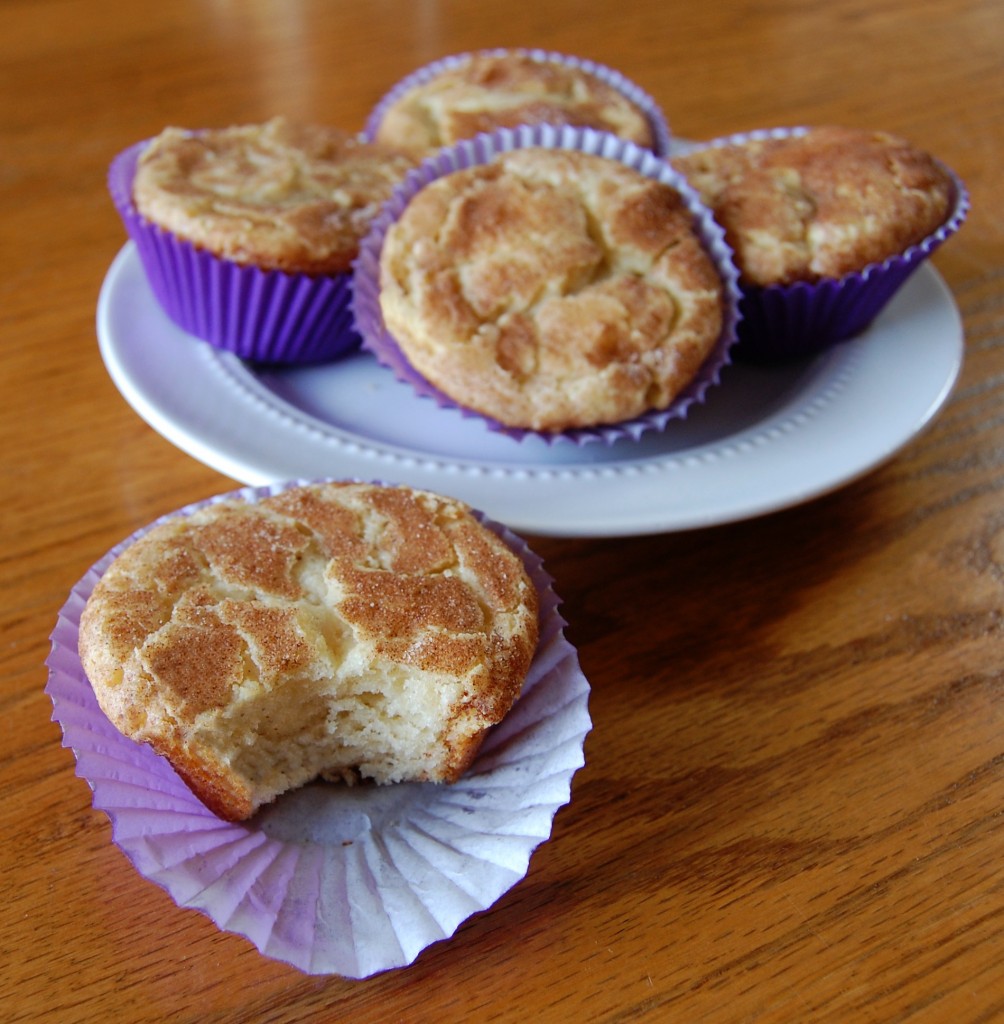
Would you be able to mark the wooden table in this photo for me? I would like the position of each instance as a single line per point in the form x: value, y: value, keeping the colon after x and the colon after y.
x: 791, y: 806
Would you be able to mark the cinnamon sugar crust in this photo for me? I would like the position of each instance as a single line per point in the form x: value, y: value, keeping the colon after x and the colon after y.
x: 336, y: 630
x: 280, y: 196
x: 820, y: 205
x: 551, y: 289
x: 489, y: 91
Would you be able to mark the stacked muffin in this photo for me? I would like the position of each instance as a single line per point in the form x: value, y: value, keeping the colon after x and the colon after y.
x: 247, y: 234
x: 826, y: 224
x: 465, y: 95
x: 584, y: 287
x: 548, y: 288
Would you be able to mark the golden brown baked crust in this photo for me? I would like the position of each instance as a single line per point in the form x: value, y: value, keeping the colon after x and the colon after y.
x: 551, y: 289
x: 333, y: 629
x: 297, y: 198
x: 489, y: 91
x: 820, y: 205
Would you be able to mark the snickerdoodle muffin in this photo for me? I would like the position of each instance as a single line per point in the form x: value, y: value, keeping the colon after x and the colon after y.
x: 806, y: 208
x: 551, y: 289
x: 340, y: 630
x: 248, y: 233
x: 468, y: 94
x: 820, y: 204
x: 279, y: 196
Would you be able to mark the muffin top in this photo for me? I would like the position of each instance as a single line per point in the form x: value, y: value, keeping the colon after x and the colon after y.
x: 819, y: 205
x: 279, y: 196
x: 329, y: 628
x: 551, y: 289
x: 483, y: 92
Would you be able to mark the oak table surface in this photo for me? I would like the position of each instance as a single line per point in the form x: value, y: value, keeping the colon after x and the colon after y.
x: 791, y: 806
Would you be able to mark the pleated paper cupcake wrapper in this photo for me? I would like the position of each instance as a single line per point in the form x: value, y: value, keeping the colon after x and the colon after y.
x: 265, y: 316
x: 615, y: 79
x: 483, y: 148
x: 334, y: 879
x: 785, y: 322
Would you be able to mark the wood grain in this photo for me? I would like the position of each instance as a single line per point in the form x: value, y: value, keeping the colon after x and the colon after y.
x: 791, y: 808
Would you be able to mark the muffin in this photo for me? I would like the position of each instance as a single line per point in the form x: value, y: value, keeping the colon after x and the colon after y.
x: 248, y: 233
x: 271, y: 879
x: 468, y: 94
x: 551, y: 289
x: 825, y: 223
x: 337, y: 630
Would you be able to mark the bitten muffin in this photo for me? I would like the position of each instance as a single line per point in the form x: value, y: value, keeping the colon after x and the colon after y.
x: 820, y: 204
x: 279, y: 196
x: 551, y: 289
x: 483, y: 91
x: 340, y: 630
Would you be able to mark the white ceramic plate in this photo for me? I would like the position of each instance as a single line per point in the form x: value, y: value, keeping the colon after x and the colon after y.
x: 765, y: 439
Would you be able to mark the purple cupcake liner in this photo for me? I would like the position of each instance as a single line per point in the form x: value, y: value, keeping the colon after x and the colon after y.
x: 783, y: 322
x: 482, y: 149
x: 266, y: 316
x: 634, y: 93
x: 333, y: 879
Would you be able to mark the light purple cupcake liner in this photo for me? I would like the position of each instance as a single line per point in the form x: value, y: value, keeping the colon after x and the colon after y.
x: 634, y: 93
x: 265, y: 316
x: 481, y: 149
x: 334, y: 879
x: 783, y: 322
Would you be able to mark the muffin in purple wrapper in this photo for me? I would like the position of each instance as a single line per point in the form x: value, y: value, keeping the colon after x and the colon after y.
x: 469, y: 94
x: 826, y: 223
x: 332, y: 878
x: 247, y: 234
x: 553, y: 281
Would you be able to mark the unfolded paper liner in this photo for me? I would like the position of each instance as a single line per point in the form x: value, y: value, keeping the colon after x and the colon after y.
x: 482, y: 149
x: 661, y: 135
x: 336, y: 879
x: 783, y: 322
x: 266, y: 316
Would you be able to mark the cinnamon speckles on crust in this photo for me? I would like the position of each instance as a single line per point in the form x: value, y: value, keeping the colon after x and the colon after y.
x: 484, y: 92
x: 551, y: 289
x: 249, y: 550
x: 331, y: 629
x: 819, y: 205
x: 336, y: 527
x: 198, y: 660
x: 279, y: 196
